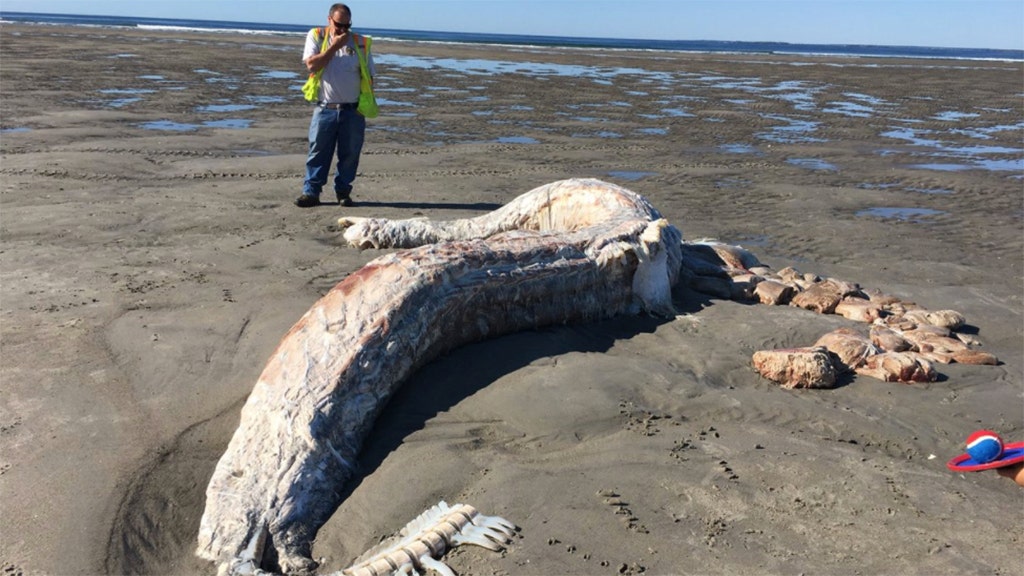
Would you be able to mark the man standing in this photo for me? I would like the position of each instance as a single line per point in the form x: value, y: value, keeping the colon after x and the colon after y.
x: 336, y: 125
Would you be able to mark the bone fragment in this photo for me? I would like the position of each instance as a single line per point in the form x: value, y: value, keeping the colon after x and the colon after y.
x: 426, y: 538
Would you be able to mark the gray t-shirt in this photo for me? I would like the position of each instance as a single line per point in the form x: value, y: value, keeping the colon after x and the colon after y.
x: 340, y: 81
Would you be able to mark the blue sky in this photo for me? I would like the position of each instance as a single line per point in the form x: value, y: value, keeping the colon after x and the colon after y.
x: 952, y: 23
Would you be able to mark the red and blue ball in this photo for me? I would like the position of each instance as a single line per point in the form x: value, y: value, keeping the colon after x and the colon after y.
x: 984, y: 446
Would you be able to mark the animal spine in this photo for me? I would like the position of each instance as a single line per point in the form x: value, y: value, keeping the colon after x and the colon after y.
x: 429, y: 536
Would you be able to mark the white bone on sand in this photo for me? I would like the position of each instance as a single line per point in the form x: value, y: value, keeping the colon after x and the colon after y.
x: 430, y: 534
x: 568, y: 251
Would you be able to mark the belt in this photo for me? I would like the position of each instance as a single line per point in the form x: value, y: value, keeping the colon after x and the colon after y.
x: 338, y: 105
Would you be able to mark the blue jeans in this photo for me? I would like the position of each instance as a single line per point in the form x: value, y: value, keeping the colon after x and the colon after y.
x: 330, y: 130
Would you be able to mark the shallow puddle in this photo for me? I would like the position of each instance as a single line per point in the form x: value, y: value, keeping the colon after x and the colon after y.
x: 851, y: 109
x: 225, y: 108
x: 167, y: 125
x: 896, y: 186
x: 235, y: 123
x: 902, y: 214
x: 265, y: 99
x: 630, y: 176
x: 739, y: 149
x: 992, y: 165
x: 517, y: 140
x: 130, y: 91
x: 794, y: 132
x: 277, y: 74
x: 676, y: 113
x: 121, y: 102
x: 253, y: 152
x: 812, y: 164
x: 968, y: 157
x: 953, y: 115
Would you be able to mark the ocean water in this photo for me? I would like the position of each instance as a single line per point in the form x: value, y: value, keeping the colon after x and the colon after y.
x: 964, y: 141
x: 512, y: 39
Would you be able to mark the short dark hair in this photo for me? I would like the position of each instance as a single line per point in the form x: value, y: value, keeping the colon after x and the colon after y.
x: 339, y: 6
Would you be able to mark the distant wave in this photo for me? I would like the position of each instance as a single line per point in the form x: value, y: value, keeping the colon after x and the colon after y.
x: 171, y: 28
x: 697, y: 46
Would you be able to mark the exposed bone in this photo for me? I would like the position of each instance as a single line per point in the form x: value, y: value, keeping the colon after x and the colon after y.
x: 797, y: 367
x: 307, y: 416
x: 428, y: 537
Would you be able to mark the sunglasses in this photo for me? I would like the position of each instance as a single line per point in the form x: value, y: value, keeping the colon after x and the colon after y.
x: 342, y: 26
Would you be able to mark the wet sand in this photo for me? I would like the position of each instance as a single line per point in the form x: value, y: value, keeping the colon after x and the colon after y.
x: 152, y: 258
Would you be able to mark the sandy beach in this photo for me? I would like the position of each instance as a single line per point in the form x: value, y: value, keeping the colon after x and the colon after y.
x: 151, y: 259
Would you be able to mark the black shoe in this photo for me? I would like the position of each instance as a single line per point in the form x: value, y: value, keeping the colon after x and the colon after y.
x: 307, y: 201
x: 345, y: 200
